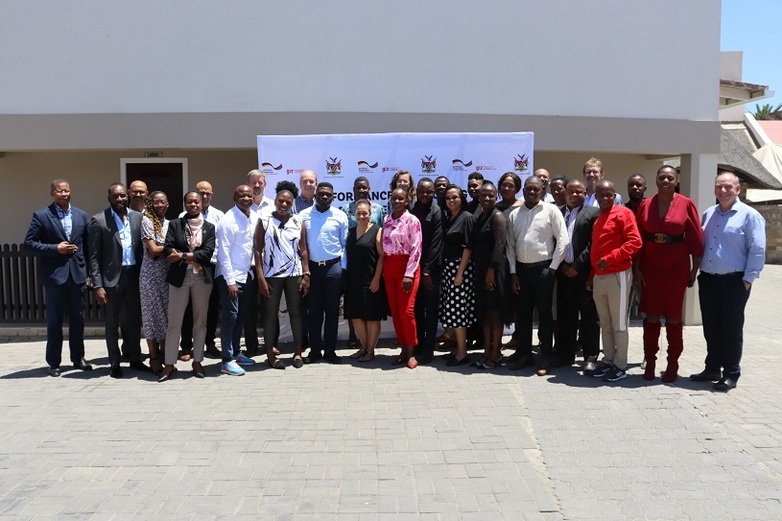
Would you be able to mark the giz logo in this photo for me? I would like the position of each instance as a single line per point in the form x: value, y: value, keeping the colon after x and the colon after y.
x: 429, y: 164
x: 391, y: 169
x: 521, y: 163
x: 333, y: 166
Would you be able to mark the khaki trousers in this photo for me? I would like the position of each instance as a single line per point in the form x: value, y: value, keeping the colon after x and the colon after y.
x: 611, y: 294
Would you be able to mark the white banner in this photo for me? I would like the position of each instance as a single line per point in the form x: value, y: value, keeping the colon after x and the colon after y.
x: 340, y: 158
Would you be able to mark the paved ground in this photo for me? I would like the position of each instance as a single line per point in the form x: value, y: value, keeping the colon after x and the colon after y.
x: 353, y: 442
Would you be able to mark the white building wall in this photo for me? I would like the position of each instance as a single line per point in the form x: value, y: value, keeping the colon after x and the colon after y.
x: 611, y: 58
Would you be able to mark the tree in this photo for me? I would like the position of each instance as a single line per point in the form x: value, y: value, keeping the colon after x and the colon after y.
x: 761, y: 112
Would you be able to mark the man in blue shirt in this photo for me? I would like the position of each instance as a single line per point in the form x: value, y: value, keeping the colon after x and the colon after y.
x: 58, y: 234
x: 734, y: 251
x: 327, y: 233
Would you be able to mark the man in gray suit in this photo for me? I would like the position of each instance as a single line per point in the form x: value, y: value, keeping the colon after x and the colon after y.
x: 115, y: 260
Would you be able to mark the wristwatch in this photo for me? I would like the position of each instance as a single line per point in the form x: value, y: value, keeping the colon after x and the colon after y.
x: 184, y: 255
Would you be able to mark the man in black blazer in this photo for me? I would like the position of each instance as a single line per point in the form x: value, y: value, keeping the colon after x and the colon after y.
x: 58, y: 233
x: 115, y: 261
x: 572, y: 295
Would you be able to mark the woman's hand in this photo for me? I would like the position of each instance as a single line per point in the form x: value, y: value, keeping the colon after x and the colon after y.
x: 458, y: 279
x: 490, y: 279
x: 304, y: 286
x: 374, y: 286
x: 693, y: 276
x: 263, y: 288
x: 407, y: 284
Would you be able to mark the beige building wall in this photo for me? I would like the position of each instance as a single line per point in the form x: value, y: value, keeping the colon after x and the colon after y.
x: 91, y: 172
x: 27, y: 177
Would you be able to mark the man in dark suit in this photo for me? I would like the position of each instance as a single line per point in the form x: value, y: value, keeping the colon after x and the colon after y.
x: 58, y: 233
x: 572, y: 295
x: 115, y: 261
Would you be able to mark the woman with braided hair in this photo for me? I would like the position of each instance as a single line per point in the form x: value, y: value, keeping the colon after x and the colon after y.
x: 152, y: 278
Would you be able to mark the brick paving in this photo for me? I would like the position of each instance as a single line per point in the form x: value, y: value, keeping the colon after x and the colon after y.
x: 357, y: 442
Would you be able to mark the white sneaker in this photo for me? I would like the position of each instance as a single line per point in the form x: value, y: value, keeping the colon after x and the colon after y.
x: 232, y: 368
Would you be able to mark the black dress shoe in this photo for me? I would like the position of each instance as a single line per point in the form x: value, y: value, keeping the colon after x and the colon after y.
x: 725, y: 384
x: 138, y: 365
x: 705, y: 376
x: 54, y: 371
x: 333, y: 358
x: 115, y: 371
x: 83, y: 365
x: 312, y: 358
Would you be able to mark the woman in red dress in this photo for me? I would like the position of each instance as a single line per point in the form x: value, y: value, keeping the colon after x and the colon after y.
x: 666, y: 267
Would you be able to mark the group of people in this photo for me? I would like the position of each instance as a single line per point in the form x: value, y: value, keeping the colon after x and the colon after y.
x: 567, y: 249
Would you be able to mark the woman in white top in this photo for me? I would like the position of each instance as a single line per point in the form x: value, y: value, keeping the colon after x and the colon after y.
x: 280, y: 253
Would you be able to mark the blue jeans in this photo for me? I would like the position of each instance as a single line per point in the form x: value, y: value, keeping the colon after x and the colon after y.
x: 232, y: 317
x: 323, y: 303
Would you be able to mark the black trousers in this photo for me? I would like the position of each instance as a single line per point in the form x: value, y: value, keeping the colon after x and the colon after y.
x: 573, y: 300
x: 426, y: 303
x: 123, y: 312
x: 59, y: 299
x: 536, y: 292
x: 723, y: 299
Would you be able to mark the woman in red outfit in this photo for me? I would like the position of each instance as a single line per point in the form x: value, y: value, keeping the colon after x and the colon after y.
x: 666, y: 267
x: 401, y: 259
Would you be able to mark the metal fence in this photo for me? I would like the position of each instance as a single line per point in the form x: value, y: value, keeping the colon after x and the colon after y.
x: 22, y: 298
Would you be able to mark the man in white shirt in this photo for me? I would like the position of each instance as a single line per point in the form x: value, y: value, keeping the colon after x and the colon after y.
x: 211, y: 215
x: 234, y: 254
x: 545, y: 177
x: 262, y: 205
x: 537, y: 240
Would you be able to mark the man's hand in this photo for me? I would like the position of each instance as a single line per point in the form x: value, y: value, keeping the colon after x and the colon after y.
x: 514, y: 283
x: 66, y: 248
x: 747, y: 285
x: 426, y: 280
x: 101, y: 296
x: 233, y: 292
x: 602, y: 264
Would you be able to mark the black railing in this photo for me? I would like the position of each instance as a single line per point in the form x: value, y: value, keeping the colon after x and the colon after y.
x: 22, y: 298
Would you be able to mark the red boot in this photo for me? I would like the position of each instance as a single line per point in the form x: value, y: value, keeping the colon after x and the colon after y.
x: 651, y: 346
x: 675, y: 348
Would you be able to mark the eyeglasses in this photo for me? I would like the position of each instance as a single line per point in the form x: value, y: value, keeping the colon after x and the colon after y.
x: 452, y: 197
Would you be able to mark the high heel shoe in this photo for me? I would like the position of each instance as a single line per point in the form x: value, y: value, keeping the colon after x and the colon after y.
x: 166, y: 374
x: 198, y: 370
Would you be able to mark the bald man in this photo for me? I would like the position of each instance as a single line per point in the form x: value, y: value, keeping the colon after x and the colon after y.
x: 545, y: 178
x: 138, y: 192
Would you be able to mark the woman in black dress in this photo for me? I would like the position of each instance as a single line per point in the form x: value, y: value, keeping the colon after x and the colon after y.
x: 457, y: 293
x: 491, y: 278
x: 365, y: 297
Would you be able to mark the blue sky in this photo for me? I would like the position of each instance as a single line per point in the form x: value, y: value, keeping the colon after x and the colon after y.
x: 752, y: 27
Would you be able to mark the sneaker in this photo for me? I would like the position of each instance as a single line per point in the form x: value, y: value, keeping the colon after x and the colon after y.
x: 232, y: 368
x: 602, y: 370
x: 615, y: 375
x: 243, y: 360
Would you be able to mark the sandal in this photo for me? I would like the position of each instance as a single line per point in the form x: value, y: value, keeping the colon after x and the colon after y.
x: 358, y: 354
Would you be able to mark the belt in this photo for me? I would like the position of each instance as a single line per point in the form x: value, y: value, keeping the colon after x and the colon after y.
x: 534, y: 264
x: 664, y: 238
x: 734, y: 274
x: 323, y: 264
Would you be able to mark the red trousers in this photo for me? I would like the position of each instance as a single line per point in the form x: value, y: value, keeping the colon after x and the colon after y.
x: 401, y: 303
